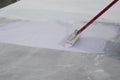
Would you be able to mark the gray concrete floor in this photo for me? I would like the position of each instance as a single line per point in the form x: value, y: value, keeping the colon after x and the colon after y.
x: 28, y: 63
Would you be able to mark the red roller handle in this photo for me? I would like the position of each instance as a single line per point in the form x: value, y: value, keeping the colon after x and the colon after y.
x: 97, y: 16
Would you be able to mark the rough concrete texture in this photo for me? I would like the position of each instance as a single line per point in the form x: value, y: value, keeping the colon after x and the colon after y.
x: 28, y: 63
x: 112, y: 47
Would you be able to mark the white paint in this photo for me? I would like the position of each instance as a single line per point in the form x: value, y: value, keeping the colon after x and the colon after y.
x: 51, y: 35
x: 73, y: 6
x: 49, y: 24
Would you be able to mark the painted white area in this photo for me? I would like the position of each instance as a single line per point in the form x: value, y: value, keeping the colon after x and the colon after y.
x: 89, y: 8
x: 49, y: 22
x: 51, y: 35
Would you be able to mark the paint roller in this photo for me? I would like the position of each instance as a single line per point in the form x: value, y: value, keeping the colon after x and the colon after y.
x: 73, y: 38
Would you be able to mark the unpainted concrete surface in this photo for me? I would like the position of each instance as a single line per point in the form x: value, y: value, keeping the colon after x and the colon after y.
x: 30, y: 63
